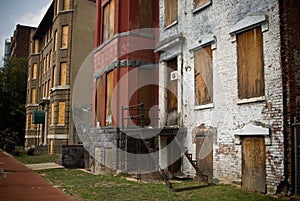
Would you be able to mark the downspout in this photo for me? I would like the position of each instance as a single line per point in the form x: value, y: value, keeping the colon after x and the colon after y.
x: 295, y: 124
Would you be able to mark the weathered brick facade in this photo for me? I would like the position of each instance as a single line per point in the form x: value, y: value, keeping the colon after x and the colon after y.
x: 60, y: 44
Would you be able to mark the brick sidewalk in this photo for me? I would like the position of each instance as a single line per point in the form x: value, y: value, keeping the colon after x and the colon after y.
x: 20, y: 183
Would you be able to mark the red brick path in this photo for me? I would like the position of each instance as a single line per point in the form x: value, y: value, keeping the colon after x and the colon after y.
x: 20, y: 183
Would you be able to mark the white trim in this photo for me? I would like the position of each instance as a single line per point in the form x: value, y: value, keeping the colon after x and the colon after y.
x: 58, y: 136
x: 251, y: 129
x: 170, y: 25
x: 251, y: 100
x: 206, y: 106
x: 250, y: 22
x: 30, y: 136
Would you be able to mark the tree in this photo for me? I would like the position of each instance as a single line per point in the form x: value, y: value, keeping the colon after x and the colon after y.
x: 13, y: 78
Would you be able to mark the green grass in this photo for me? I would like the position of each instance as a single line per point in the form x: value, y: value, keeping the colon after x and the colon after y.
x: 109, y: 187
x: 37, y: 158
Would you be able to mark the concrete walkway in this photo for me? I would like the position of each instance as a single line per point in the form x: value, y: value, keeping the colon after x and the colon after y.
x: 43, y: 166
x: 19, y: 183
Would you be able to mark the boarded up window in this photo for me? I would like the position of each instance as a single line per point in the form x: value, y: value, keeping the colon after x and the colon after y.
x: 63, y: 73
x: 52, y: 114
x: 99, y: 99
x: 36, y: 47
x: 203, y: 76
x: 199, y: 3
x: 109, y: 93
x: 34, y: 71
x: 61, y: 113
x: 30, y: 122
x: 66, y: 5
x: 108, y: 20
x: 64, y: 36
x: 250, y: 64
x: 171, y: 11
x: 33, y: 95
x: 54, y: 77
x: 145, y: 13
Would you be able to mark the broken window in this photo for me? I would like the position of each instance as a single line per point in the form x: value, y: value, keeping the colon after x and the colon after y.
x: 64, y: 36
x: 108, y: 20
x: 109, y: 93
x: 250, y: 64
x: 61, y: 113
x: 203, y: 72
x: 199, y: 3
x: 171, y: 11
x: 63, y: 74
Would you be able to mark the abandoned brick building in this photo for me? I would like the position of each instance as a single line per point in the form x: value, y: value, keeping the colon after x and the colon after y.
x: 227, y: 79
x: 58, y: 47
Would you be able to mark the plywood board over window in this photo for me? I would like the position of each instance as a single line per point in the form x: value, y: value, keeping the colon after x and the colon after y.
x: 203, y: 76
x: 34, y: 71
x: 52, y: 114
x: 66, y: 5
x: 250, y: 64
x: 36, y: 47
x: 145, y: 13
x: 108, y: 20
x: 33, y: 95
x: 61, y: 113
x: 63, y: 73
x: 172, y: 102
x: 171, y: 11
x: 99, y: 99
x: 109, y: 93
x: 199, y: 3
x: 65, y: 36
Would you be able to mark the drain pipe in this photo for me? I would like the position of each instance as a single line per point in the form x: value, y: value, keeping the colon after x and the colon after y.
x: 295, y: 124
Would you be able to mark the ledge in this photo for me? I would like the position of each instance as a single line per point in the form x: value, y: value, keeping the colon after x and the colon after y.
x: 247, y: 23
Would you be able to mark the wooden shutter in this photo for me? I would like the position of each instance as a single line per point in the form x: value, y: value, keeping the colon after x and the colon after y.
x: 65, y: 37
x: 63, y: 73
x: 109, y: 93
x: 171, y: 11
x: 250, y: 64
x: 198, y: 3
x: 203, y: 76
x: 61, y: 113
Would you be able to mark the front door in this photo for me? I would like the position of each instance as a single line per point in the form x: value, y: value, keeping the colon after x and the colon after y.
x: 172, y: 103
x: 254, y: 164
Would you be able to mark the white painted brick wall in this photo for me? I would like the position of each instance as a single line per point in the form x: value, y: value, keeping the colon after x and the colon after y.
x: 227, y: 115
